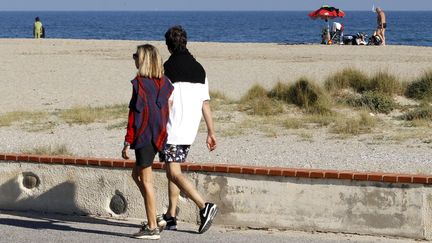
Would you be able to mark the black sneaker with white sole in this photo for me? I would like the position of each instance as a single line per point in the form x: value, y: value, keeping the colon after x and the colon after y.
x: 207, y: 214
x: 168, y: 223
x: 147, y: 233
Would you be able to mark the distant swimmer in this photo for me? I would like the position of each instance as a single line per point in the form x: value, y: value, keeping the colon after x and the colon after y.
x: 382, y: 24
x: 38, y: 29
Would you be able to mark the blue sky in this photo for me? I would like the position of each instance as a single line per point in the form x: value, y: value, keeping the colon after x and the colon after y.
x: 211, y: 5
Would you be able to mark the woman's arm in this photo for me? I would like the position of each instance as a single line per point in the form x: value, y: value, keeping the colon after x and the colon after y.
x: 130, y: 132
x: 211, y: 136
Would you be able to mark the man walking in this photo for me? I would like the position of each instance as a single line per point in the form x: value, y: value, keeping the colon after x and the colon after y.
x: 189, y: 102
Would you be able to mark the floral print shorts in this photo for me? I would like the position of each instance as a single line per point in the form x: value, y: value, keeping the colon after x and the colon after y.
x: 174, y: 153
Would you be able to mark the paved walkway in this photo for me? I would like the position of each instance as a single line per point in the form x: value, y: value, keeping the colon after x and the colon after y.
x: 44, y: 228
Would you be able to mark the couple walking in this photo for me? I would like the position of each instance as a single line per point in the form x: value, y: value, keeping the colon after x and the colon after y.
x: 165, y: 111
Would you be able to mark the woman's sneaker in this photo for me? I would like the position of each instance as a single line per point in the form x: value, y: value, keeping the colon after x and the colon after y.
x: 167, y: 223
x: 207, y: 214
x: 148, y: 234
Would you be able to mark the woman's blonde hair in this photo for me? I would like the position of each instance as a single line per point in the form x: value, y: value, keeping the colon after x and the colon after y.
x: 149, y: 62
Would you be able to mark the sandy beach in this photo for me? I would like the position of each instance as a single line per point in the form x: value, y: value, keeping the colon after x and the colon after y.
x: 51, y: 75
x: 55, y: 74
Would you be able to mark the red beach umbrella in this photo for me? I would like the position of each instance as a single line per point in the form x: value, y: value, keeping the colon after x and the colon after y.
x: 326, y: 12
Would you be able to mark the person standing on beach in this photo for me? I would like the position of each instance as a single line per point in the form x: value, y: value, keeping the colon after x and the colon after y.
x: 382, y: 24
x: 37, y: 28
x: 190, y: 101
x: 146, y: 129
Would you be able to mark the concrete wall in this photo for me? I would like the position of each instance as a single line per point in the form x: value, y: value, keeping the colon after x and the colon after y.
x: 364, y: 207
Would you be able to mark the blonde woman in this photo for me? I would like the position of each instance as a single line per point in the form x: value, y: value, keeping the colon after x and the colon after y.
x: 146, y: 129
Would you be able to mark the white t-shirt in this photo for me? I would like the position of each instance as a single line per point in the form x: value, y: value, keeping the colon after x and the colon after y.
x: 186, y: 111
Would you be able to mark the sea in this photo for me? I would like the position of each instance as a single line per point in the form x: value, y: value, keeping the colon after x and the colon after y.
x: 285, y: 27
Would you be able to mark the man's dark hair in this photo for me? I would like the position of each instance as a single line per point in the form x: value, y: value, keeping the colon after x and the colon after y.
x: 37, y: 19
x: 176, y: 39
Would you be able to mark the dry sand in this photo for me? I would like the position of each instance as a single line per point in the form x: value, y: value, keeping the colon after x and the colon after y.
x: 54, y: 74
x: 50, y: 74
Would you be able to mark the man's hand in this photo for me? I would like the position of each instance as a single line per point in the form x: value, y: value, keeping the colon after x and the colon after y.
x: 211, y: 142
x: 125, y: 152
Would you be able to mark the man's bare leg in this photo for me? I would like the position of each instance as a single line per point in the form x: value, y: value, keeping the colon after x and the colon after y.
x: 173, y: 194
x: 178, y: 182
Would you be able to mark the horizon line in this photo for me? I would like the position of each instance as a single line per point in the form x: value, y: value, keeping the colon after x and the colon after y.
x: 197, y: 10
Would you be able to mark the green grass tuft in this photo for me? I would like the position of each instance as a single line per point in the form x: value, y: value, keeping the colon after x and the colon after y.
x: 87, y: 115
x: 262, y: 107
x: 256, y: 102
x: 421, y: 88
x: 420, y: 113
x: 256, y: 92
x: 293, y: 123
x: 9, y: 118
x: 355, y: 126
x: 348, y: 78
x: 322, y: 120
x: 219, y: 100
x: 374, y: 101
x: 309, y: 96
x: 281, y: 91
x: 386, y: 83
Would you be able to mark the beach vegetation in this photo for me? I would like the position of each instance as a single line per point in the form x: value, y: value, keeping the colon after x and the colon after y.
x: 374, y: 101
x: 293, y: 123
x: 305, y: 136
x: 60, y: 149
x: 348, y: 78
x: 309, y: 96
x: 219, y: 100
x: 240, y: 128
x: 7, y: 119
x: 386, y: 83
x: 423, y: 112
x: 281, y: 91
x: 118, y: 125
x: 87, y: 115
x: 420, y: 123
x: 321, y: 120
x: 39, y: 126
x: 256, y: 102
x: 256, y: 92
x: 218, y: 95
x: 230, y: 133
x: 421, y: 88
x: 351, y: 78
x: 365, y: 123
x: 263, y: 107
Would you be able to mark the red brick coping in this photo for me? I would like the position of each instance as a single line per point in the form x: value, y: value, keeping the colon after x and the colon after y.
x: 226, y: 168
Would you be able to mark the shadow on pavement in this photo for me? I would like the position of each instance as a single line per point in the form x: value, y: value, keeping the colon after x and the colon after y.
x: 188, y: 231
x: 57, y: 222
x: 61, y: 218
